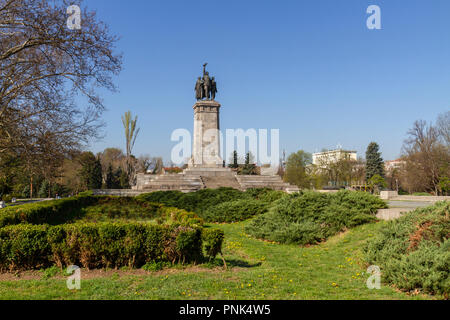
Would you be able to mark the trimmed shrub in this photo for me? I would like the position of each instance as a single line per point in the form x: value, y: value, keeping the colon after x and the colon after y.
x: 197, y: 202
x: 94, y: 209
x: 121, y: 208
x: 266, y: 194
x: 179, y: 216
x: 7, y: 198
x: 413, y: 252
x: 48, y: 212
x: 24, y: 247
x: 363, y: 202
x: 167, y: 198
x: 234, y: 211
x: 97, y: 245
x: 212, y: 242
x: 310, y: 217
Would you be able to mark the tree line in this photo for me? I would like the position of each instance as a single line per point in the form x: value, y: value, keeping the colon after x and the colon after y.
x: 423, y: 167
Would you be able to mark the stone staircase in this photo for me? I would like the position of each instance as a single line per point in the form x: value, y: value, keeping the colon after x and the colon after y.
x: 219, y: 182
x: 194, y: 179
x: 182, y: 182
x: 209, y: 172
x: 272, y: 182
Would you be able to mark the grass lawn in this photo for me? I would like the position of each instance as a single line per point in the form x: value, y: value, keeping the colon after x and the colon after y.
x: 256, y: 270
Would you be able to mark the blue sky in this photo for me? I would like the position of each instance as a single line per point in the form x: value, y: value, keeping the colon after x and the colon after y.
x: 310, y: 68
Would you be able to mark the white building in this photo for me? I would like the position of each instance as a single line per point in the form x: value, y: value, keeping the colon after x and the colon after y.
x: 394, y: 164
x: 332, y: 156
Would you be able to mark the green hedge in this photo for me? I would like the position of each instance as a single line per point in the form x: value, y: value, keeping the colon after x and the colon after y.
x: 234, y: 211
x: 413, y: 252
x: 265, y: 194
x: 97, y: 245
x: 310, y: 217
x: 198, y: 201
x: 212, y: 242
x: 94, y: 209
x: 179, y: 216
x: 47, y: 212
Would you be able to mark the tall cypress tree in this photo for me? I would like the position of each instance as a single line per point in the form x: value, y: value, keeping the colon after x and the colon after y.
x: 374, y: 161
x: 109, y: 177
x: 91, y: 171
x: 234, y: 160
x: 97, y: 176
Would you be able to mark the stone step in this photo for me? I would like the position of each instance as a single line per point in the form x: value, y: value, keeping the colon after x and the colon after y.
x: 218, y: 182
x: 209, y: 172
x: 194, y: 179
x: 273, y: 182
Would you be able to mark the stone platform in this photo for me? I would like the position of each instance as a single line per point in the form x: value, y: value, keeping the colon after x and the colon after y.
x: 272, y: 182
x: 194, y: 179
x: 181, y: 182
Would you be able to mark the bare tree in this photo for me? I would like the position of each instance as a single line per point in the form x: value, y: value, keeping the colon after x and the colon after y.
x: 113, y: 157
x: 43, y: 66
x: 143, y: 164
x: 443, y: 128
x: 427, y: 159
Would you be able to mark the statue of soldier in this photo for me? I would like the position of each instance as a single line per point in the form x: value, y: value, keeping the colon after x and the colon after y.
x: 199, y: 89
x: 213, y: 88
x: 207, y: 85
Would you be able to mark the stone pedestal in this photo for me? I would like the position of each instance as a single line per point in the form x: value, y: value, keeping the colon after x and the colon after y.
x: 206, y: 148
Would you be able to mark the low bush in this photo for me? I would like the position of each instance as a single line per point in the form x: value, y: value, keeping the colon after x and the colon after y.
x: 120, y: 208
x: 167, y: 198
x: 178, y: 216
x: 310, y: 217
x: 363, y: 202
x: 197, y: 202
x: 265, y: 194
x: 413, y: 252
x: 90, y: 208
x: 217, y: 205
x: 212, y: 242
x: 7, y: 198
x: 97, y: 245
x: 233, y: 211
x: 47, y: 212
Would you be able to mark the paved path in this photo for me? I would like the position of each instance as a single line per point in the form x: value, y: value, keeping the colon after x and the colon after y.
x: 20, y: 202
x: 408, y: 204
x: 397, y: 208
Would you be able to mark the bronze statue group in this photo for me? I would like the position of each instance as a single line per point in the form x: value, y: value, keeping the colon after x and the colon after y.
x: 206, y: 87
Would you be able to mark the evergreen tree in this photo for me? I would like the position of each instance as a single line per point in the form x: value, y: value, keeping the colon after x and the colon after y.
x: 374, y: 161
x: 249, y: 167
x: 110, y: 177
x: 234, y: 160
x: 120, y: 179
x: 44, y: 190
x: 97, y: 177
x: 124, y: 181
x: 91, y: 171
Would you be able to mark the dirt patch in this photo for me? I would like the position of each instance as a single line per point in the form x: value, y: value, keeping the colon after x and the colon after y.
x: 103, y: 273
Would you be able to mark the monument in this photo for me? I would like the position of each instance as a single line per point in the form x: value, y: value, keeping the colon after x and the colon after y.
x: 206, y: 168
x: 206, y: 147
